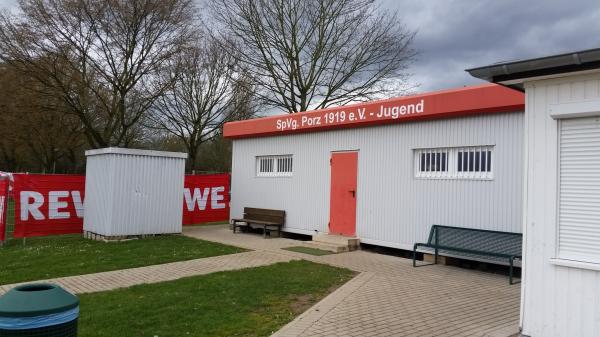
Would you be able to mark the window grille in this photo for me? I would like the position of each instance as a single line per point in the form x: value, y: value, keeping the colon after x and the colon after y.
x: 473, y: 162
x: 274, y: 166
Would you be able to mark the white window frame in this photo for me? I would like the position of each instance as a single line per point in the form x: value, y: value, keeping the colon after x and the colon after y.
x: 280, y: 166
x: 581, y: 260
x: 432, y: 171
x: 451, y: 168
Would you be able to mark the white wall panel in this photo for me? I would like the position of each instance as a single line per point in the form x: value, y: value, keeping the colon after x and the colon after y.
x: 393, y: 207
x: 557, y: 300
x: 133, y: 192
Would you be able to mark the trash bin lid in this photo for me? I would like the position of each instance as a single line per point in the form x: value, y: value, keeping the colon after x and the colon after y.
x: 36, y: 299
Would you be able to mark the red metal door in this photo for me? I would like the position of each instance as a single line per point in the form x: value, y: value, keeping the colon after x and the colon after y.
x: 342, y: 204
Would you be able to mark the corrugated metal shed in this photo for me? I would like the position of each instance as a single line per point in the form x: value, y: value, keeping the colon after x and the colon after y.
x: 133, y: 192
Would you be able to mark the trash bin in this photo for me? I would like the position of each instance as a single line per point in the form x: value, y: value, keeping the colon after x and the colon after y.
x: 36, y: 310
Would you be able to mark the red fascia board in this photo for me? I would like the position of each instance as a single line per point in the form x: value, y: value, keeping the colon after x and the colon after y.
x: 481, y: 99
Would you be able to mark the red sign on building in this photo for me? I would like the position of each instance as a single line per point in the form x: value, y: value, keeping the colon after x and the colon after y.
x: 487, y: 98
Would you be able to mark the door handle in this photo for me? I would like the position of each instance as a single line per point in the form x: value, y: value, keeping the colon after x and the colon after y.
x: 353, y: 193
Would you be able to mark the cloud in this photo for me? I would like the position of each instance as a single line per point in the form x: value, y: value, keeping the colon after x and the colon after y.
x: 457, y: 34
x: 454, y: 35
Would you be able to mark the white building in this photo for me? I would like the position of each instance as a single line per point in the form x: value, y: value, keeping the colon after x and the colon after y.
x: 561, y: 280
x: 385, y: 171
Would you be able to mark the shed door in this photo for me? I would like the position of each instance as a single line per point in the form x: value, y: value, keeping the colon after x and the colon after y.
x: 579, y: 188
x: 342, y: 213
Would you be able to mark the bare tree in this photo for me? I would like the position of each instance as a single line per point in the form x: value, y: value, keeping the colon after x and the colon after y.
x: 318, y: 53
x: 209, y: 89
x: 101, y: 57
x: 52, y: 137
x: 11, y: 148
x: 35, y: 125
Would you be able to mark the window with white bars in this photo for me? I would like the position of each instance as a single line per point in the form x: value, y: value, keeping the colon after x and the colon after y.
x: 432, y: 163
x: 472, y: 162
x: 274, y: 166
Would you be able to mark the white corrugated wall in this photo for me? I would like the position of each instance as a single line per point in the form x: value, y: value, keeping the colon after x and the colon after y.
x: 556, y: 300
x: 393, y: 207
x: 133, y: 194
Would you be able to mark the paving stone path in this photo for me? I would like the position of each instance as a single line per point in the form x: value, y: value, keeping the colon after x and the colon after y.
x: 391, y: 298
x: 163, y: 272
x: 387, y: 298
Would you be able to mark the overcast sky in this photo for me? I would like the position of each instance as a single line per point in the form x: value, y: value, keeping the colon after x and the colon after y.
x: 457, y: 34
x: 454, y: 35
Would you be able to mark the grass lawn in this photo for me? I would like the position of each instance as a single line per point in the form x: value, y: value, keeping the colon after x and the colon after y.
x: 247, y: 302
x: 66, y: 255
x: 308, y: 250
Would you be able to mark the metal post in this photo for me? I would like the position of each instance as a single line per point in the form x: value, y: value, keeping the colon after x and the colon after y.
x: 510, y: 271
x: 436, y: 247
x: 414, y: 255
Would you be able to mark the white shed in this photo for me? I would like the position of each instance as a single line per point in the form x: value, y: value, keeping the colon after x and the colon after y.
x: 451, y: 157
x: 561, y: 277
x: 133, y: 192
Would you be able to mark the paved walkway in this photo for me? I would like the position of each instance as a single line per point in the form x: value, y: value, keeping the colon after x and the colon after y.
x: 164, y: 272
x: 387, y: 298
x: 391, y: 298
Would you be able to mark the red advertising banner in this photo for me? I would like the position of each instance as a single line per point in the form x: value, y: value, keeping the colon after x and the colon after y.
x: 48, y: 204
x: 3, y: 207
x: 205, y: 198
x: 53, y: 204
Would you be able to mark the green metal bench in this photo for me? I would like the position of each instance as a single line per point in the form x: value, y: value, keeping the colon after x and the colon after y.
x: 474, y: 244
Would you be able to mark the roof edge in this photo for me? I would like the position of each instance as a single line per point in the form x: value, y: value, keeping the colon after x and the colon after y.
x: 135, y: 152
x: 514, y: 73
x: 479, y: 99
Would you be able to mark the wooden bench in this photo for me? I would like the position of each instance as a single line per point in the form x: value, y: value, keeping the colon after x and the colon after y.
x: 267, y: 219
x: 504, y: 247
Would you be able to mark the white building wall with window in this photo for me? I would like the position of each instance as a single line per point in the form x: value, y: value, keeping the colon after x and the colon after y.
x: 396, y: 201
x: 561, y: 281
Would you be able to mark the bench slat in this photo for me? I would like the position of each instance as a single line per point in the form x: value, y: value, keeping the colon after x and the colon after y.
x: 266, y: 215
x: 470, y: 252
x: 490, y: 242
x: 258, y: 221
x: 263, y: 211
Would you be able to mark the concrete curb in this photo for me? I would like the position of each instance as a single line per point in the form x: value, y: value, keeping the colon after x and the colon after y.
x: 301, y: 323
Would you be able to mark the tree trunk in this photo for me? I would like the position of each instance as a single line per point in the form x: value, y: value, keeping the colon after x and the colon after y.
x: 191, y: 161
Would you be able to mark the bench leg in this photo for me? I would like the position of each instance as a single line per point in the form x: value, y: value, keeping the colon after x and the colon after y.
x: 511, y: 263
x: 414, y: 255
x: 414, y: 258
x: 510, y: 272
